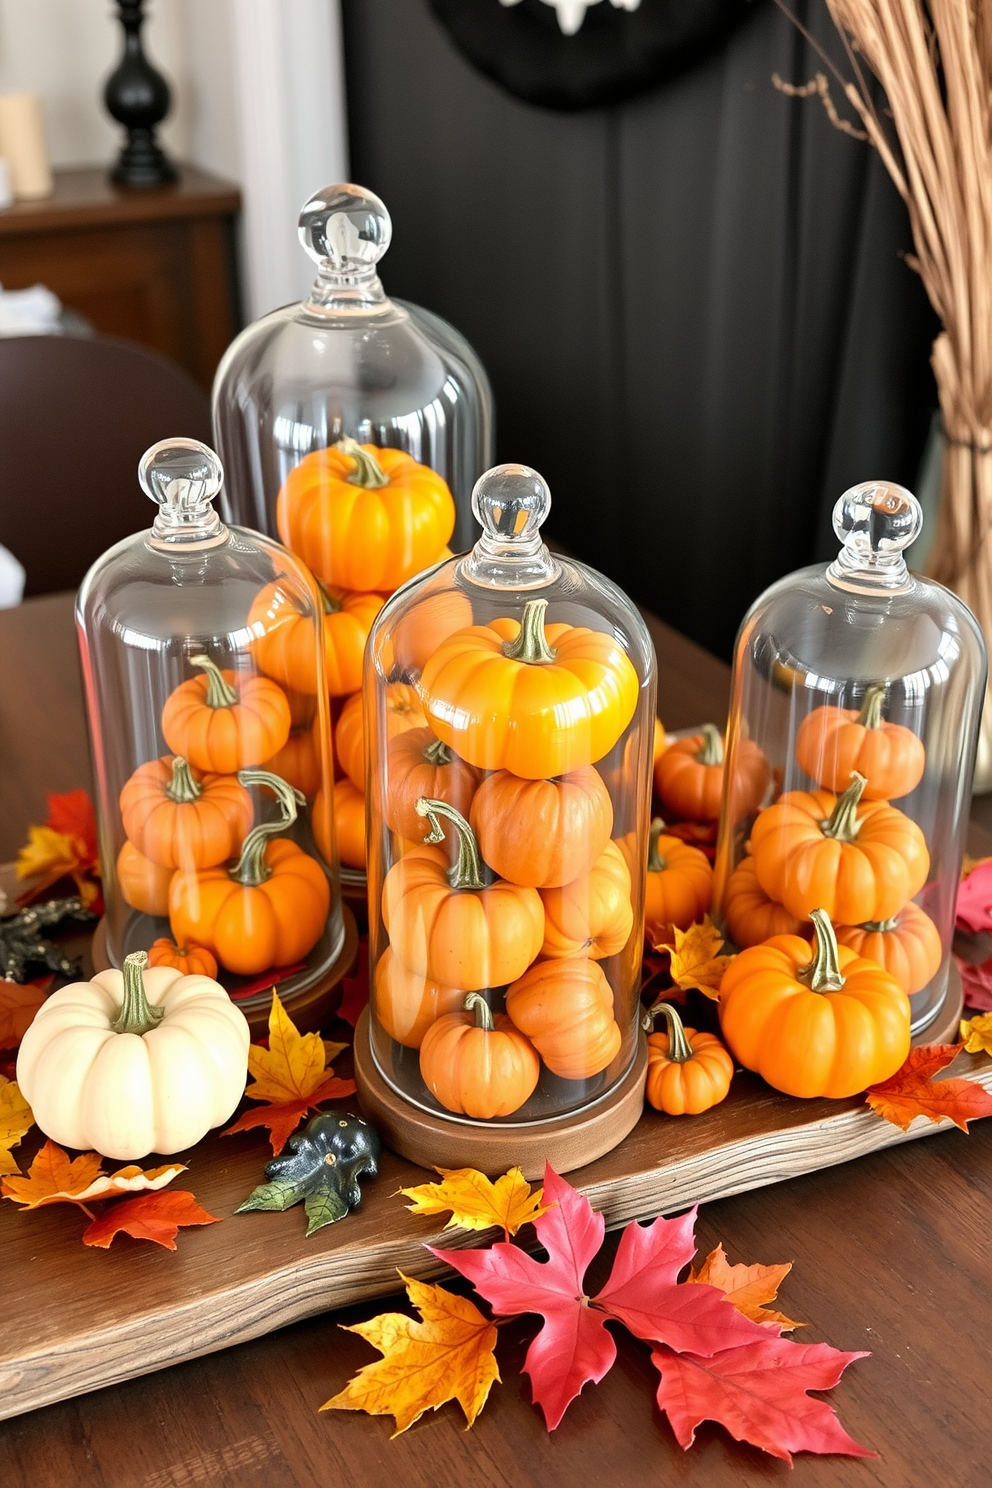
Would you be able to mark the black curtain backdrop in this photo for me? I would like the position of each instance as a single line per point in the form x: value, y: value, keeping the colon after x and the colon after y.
x: 692, y: 304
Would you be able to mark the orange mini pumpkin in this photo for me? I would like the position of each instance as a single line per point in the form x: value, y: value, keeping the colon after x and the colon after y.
x: 478, y: 1065
x: 407, y: 1004
x: 349, y: 825
x: 814, y: 1020
x: 363, y: 517
x: 688, y: 1072
x: 180, y: 818
x: 144, y: 884
x: 566, y: 1010
x: 188, y: 960
x: 907, y: 946
x: 750, y: 916
x: 431, y: 620
x: 592, y: 916
x: 679, y: 886
x: 689, y: 776
x: 268, y: 909
x: 420, y: 765
x: 538, y: 701
x: 298, y: 762
x: 856, y: 860
x: 285, y: 642
x: 447, y: 924
x: 402, y: 710
x: 543, y: 833
x: 223, y: 722
x: 832, y: 743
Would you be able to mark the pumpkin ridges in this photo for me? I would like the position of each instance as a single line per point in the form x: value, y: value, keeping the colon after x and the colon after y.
x: 593, y: 916
x: 178, y: 833
x: 750, y: 915
x: 542, y: 833
x: 144, y: 884
x: 406, y: 1005
x: 478, y: 1072
x: 221, y: 739
x: 911, y: 950
x: 832, y: 742
x: 566, y: 1010
x: 418, y: 767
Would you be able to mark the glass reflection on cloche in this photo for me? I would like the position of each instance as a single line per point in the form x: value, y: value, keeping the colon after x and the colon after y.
x: 510, y: 705
x: 202, y: 652
x: 858, y: 689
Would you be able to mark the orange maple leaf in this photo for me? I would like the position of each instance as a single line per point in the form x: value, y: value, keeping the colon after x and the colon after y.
x: 64, y: 847
x: 151, y: 1216
x: 747, y: 1287
x: 696, y: 958
x: 912, y: 1091
x: 446, y: 1356
x: 55, y: 1179
x: 18, y: 1004
x: 292, y: 1075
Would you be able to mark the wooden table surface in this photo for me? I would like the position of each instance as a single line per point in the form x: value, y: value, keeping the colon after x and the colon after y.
x: 892, y: 1254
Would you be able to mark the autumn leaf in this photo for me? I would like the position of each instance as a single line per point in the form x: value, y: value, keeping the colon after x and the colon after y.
x: 476, y: 1203
x: 696, y: 958
x: 355, y: 996
x: 446, y: 1356
x: 976, y: 983
x: 15, y: 1120
x: 976, y: 1034
x: 973, y: 911
x: 747, y: 1287
x: 18, y: 1004
x: 291, y: 1075
x: 64, y: 847
x: 912, y: 1091
x: 53, y: 1179
x: 150, y: 1216
x: 758, y: 1392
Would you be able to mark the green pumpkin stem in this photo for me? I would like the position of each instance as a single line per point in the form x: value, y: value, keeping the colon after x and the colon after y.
x: 182, y: 788
x: 712, y: 750
x: 367, y: 472
x: 679, y: 1048
x: 531, y: 645
x: 136, y: 1014
x: 656, y: 863
x: 842, y: 823
x: 251, y: 868
x: 328, y: 603
x: 469, y: 869
x: 477, y: 1004
x: 823, y: 973
x: 870, y: 716
x: 883, y: 926
x: 436, y: 753
x: 220, y: 693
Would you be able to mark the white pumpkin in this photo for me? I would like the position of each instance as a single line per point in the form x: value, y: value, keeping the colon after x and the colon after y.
x: 134, y: 1062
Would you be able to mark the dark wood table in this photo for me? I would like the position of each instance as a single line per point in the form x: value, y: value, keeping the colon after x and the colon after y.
x: 892, y: 1254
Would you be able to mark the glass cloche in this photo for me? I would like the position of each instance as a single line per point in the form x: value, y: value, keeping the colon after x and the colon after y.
x: 202, y: 645
x: 509, y: 713
x: 857, y: 693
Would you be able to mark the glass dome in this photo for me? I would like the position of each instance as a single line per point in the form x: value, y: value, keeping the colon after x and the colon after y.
x: 508, y: 826
x: 201, y: 650
x: 856, y: 693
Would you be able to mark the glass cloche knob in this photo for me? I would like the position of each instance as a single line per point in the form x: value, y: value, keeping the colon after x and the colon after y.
x: 510, y: 502
x: 875, y: 522
x: 345, y: 229
x: 182, y: 476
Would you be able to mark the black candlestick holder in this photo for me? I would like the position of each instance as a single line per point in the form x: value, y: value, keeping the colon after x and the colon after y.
x: 137, y: 96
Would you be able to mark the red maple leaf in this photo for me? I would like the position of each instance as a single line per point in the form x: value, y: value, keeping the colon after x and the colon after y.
x: 574, y: 1347
x: 974, y: 904
x: 758, y: 1392
x: 976, y: 982
x: 72, y: 813
x: 912, y: 1091
x: 356, y: 989
x: 150, y: 1216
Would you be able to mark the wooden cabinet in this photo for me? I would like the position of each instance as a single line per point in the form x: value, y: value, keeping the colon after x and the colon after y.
x: 154, y: 265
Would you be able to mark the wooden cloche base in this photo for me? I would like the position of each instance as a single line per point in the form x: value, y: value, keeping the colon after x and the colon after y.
x: 944, y: 1028
x: 311, y: 1008
x: 433, y: 1141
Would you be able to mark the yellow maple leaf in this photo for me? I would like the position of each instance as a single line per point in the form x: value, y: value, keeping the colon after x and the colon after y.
x: 292, y: 1067
x: 696, y: 959
x: 15, y: 1120
x: 977, y: 1033
x: 476, y: 1203
x: 747, y: 1287
x: 55, y: 1179
x: 446, y: 1356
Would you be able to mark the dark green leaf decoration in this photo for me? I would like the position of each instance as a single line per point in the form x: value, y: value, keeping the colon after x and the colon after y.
x: 322, y: 1166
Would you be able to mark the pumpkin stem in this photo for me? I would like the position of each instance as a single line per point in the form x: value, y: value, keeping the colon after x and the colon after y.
x: 468, y: 870
x: 712, y: 750
x: 477, y: 1004
x: 330, y: 605
x: 842, y: 822
x: 437, y: 753
x: 367, y: 472
x: 182, y: 788
x: 531, y: 645
x: 220, y: 693
x: 251, y: 868
x: 656, y: 863
x: 823, y: 972
x: 679, y: 1047
x: 874, y: 926
x: 136, y: 1014
x: 871, y: 709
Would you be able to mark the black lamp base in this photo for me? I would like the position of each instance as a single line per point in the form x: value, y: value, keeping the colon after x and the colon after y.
x: 137, y: 96
x: 142, y: 162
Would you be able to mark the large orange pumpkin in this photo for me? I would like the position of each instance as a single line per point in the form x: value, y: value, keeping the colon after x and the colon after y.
x: 285, y: 646
x: 187, y: 960
x: 834, y: 742
x: 750, y: 916
x: 566, y: 1010
x: 144, y: 884
x: 543, y: 833
x: 538, y: 701
x: 592, y: 916
x: 407, y: 1004
x: 268, y: 909
x: 688, y: 1072
x: 689, y: 776
x: 180, y: 818
x: 857, y: 861
x: 679, y: 886
x: 402, y: 710
x: 814, y: 1020
x: 224, y: 722
x: 420, y: 765
x: 908, y: 946
x: 364, y: 518
x: 478, y: 1065
x: 445, y: 923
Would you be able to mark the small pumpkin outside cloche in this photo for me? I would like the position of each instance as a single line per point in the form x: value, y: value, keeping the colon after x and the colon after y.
x: 688, y: 1072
